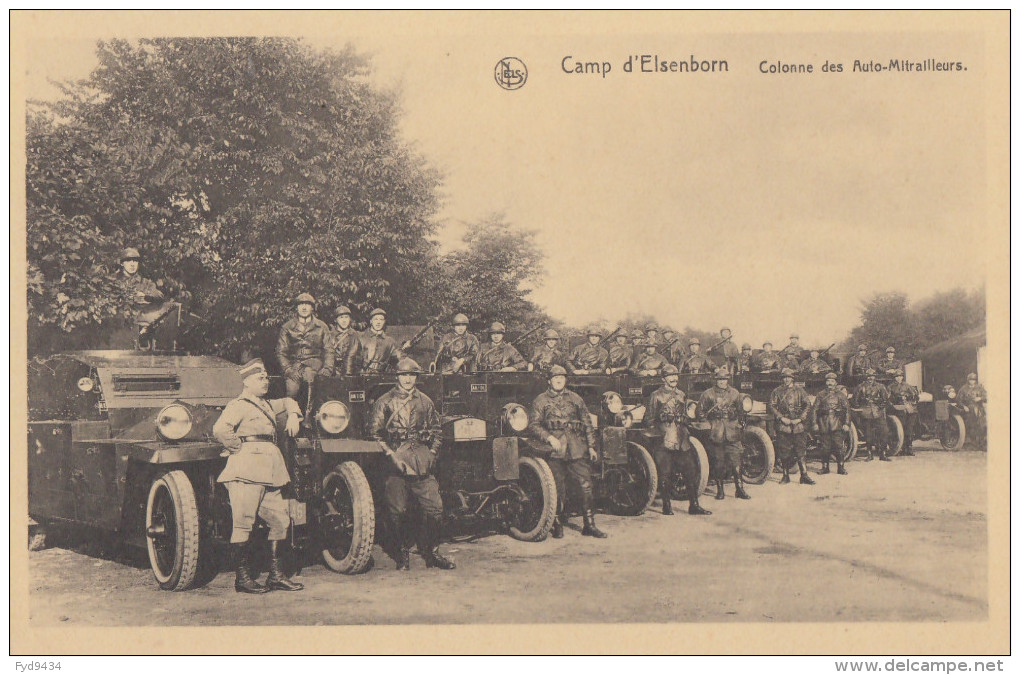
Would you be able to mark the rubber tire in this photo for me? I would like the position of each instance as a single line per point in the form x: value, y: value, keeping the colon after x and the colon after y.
x: 359, y: 557
x: 539, y: 467
x: 634, y: 450
x: 855, y: 443
x: 895, y: 428
x: 699, y: 450
x: 763, y: 439
x: 186, y: 536
x: 961, y: 426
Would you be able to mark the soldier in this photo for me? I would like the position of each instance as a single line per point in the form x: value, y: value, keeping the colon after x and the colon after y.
x: 142, y: 292
x: 589, y: 358
x: 499, y: 356
x: 621, y: 356
x: 637, y: 341
x: 872, y: 398
x: 301, y: 348
x: 407, y: 427
x: 831, y: 414
x: 560, y: 418
x: 673, y: 350
x: 255, y: 472
x: 725, y: 350
x: 721, y: 406
x: 791, y: 352
x: 745, y: 359
x: 378, y: 352
x: 814, y: 365
x: 903, y: 394
x: 342, y: 352
x: 767, y: 361
x: 548, y: 355
x: 973, y: 398
x: 790, y: 408
x: 859, y: 362
x: 651, y: 362
x: 458, y: 350
x: 664, y: 412
x: 891, y: 364
x: 696, y: 362
x: 652, y: 335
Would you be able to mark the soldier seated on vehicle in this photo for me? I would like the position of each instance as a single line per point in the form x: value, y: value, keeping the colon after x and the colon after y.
x: 499, y: 356
x: 973, y: 397
x: 589, y: 358
x: 725, y: 351
x: 905, y: 397
x: 696, y: 362
x: 621, y: 355
x: 148, y: 304
x: 831, y: 414
x: 549, y: 354
x: 342, y: 351
x: 721, y: 406
x: 378, y: 352
x: 871, y: 398
x: 745, y: 358
x: 673, y: 349
x: 652, y: 335
x: 637, y: 343
x: 458, y: 349
x: 651, y: 362
x: 860, y: 362
x: 814, y: 365
x: 891, y: 364
x: 301, y: 348
x: 767, y: 361
x: 791, y: 352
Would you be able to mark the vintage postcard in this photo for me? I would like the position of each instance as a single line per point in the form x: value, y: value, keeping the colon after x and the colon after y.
x: 510, y: 332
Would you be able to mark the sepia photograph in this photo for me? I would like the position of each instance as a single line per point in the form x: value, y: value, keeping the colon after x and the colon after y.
x: 618, y: 332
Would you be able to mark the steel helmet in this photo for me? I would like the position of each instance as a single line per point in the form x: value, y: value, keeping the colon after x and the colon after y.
x: 556, y: 370
x: 305, y: 299
x: 552, y: 335
x: 130, y: 253
x: 460, y: 319
x: 497, y: 327
x: 408, y: 367
x: 670, y: 369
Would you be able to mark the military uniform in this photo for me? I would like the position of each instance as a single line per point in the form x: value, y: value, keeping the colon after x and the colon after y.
x: 496, y: 357
x: 791, y: 354
x: 766, y: 362
x: 650, y: 364
x: 722, y: 408
x: 675, y: 353
x: 904, y: 395
x: 858, y: 364
x: 696, y: 363
x: 831, y: 412
x: 453, y: 346
x: 788, y: 401
x: 135, y: 284
x: 342, y: 353
x: 727, y: 351
x: 545, y: 357
x: 889, y: 366
x: 588, y: 357
x: 814, y: 367
x: 378, y: 352
x: 872, y: 398
x: 744, y: 361
x: 973, y: 398
x: 301, y: 351
x: 621, y: 357
x: 671, y: 445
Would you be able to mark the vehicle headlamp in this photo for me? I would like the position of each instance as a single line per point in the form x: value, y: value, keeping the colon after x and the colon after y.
x: 86, y: 384
x: 515, y: 416
x: 951, y: 393
x: 746, y: 403
x: 333, y: 417
x: 612, y: 401
x: 692, y: 409
x: 174, y: 422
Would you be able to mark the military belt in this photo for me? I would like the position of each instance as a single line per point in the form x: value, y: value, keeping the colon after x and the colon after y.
x: 409, y: 435
x: 258, y: 437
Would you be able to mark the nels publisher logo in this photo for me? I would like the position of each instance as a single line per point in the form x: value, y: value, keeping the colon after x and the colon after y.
x: 511, y: 73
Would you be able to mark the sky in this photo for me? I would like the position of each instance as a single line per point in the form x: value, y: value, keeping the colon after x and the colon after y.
x: 766, y: 203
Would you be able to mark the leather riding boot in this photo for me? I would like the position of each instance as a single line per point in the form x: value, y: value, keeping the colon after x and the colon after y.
x: 589, y: 529
x: 738, y: 480
x: 805, y: 479
x: 557, y: 528
x: 720, y: 493
x: 841, y: 470
x: 243, y: 583
x: 870, y: 455
x: 696, y: 509
x: 786, y: 476
x: 403, y: 547
x: 276, y: 581
x: 881, y: 455
x: 433, y: 558
x: 825, y: 468
x: 667, y: 505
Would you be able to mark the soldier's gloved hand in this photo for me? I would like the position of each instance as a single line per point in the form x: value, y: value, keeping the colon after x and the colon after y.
x: 846, y: 427
x: 592, y: 455
x: 555, y: 443
x: 785, y: 420
x: 293, y: 424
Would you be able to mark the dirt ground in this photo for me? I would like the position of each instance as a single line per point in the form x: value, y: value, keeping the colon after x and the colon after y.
x: 900, y: 541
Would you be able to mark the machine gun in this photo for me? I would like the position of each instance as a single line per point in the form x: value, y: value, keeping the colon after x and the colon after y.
x: 718, y: 344
x: 418, y: 336
x: 609, y: 337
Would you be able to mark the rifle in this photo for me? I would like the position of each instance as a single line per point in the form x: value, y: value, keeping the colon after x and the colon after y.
x: 513, y: 343
x: 826, y: 350
x: 720, y: 343
x: 418, y: 336
x: 609, y: 337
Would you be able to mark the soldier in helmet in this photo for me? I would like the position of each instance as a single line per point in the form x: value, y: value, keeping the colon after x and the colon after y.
x: 673, y: 349
x: 872, y: 399
x: 407, y: 427
x: 621, y: 355
x: 378, y: 352
x: 814, y: 365
x: 724, y: 351
x: 342, y: 352
x: 301, y: 347
x: 891, y: 364
x: 458, y: 349
x: 791, y: 352
x: 831, y: 414
x: 672, y: 446
x: 696, y: 362
x: 142, y: 292
x: 767, y: 360
x: 906, y: 396
x: 973, y: 397
x: 745, y: 358
x: 721, y: 406
x: 859, y: 362
x: 637, y: 342
x: 549, y: 354
x: 790, y: 409
x: 651, y: 362
x: 589, y: 358
x: 499, y: 356
x: 652, y: 335
x: 560, y: 419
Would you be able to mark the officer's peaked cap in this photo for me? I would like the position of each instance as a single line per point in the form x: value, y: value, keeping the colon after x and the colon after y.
x: 253, y: 367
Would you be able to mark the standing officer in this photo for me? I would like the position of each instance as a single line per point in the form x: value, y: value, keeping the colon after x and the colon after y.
x: 560, y: 418
x: 407, y: 427
x: 651, y: 362
x: 378, y: 352
x: 891, y: 363
x: 831, y: 414
x: 903, y: 394
x: 342, y: 353
x: 745, y: 359
x: 767, y: 361
x: 791, y: 352
x: 814, y: 365
x: 301, y: 348
x: 621, y: 355
x: 664, y: 412
x: 696, y: 362
x: 673, y: 350
x: 458, y: 349
x: 973, y: 397
x: 790, y: 409
x: 859, y: 362
x: 499, y: 356
x: 255, y: 472
x: 589, y: 358
x: 872, y: 398
x: 548, y: 355
x: 721, y: 406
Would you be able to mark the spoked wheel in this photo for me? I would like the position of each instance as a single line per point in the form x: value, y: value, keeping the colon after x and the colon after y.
x: 953, y: 433
x: 678, y: 486
x: 347, y: 529
x: 631, y: 487
x: 536, y: 508
x: 895, y: 435
x: 759, y: 455
x: 171, y: 531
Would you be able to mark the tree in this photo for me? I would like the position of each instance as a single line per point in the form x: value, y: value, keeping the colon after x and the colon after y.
x: 949, y: 314
x: 246, y: 169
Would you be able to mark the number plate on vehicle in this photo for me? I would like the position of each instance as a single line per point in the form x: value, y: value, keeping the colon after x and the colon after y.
x: 478, y: 388
x: 747, y: 385
x: 356, y: 397
x: 635, y: 391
